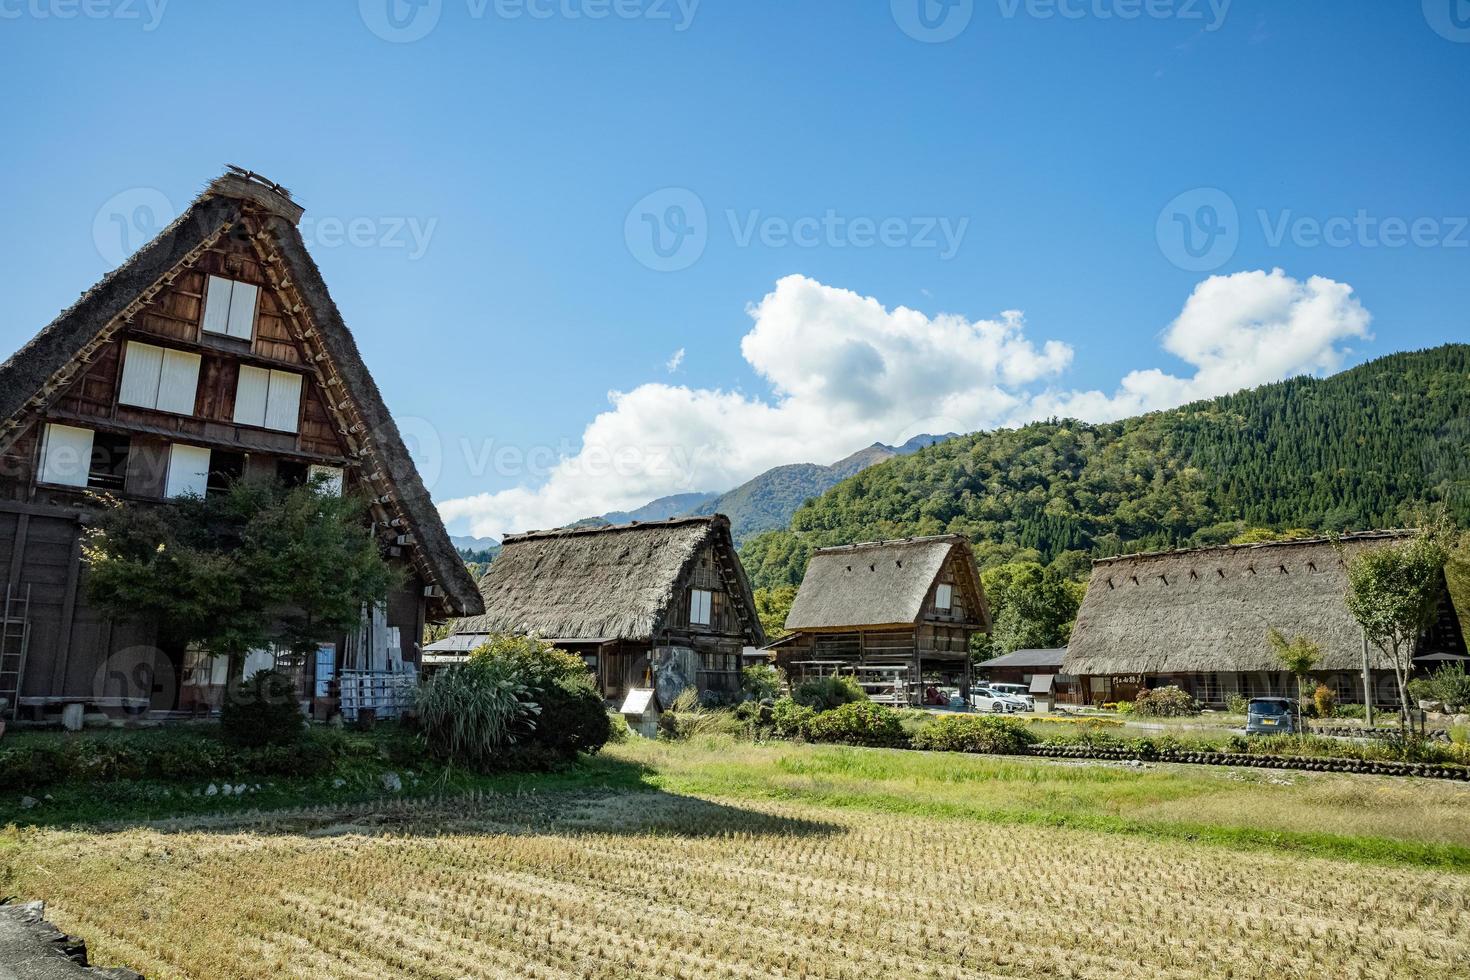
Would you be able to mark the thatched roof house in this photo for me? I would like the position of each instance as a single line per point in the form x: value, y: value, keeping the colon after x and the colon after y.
x: 897, y: 614
x: 1195, y: 614
x: 883, y: 583
x: 618, y: 593
x: 214, y: 353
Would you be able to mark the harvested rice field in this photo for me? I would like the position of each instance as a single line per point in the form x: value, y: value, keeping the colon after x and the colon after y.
x: 807, y: 862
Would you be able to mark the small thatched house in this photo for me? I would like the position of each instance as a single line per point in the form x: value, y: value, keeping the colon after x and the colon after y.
x: 663, y: 604
x: 1198, y: 619
x: 897, y: 614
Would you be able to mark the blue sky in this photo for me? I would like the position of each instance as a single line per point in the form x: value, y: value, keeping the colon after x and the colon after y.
x: 1048, y: 138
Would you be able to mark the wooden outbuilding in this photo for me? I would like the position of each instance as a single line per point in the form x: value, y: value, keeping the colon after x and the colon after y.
x: 1198, y: 620
x: 662, y: 604
x: 898, y: 615
x: 213, y: 353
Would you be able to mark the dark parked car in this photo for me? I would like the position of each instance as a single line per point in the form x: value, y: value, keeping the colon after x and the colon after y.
x: 1270, y: 716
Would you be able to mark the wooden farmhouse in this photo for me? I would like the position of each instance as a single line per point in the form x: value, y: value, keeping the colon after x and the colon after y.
x: 663, y: 605
x: 1198, y: 620
x: 214, y: 353
x: 896, y: 614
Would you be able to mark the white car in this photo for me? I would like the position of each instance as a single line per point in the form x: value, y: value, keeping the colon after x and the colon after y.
x: 985, y: 699
x: 1017, y: 691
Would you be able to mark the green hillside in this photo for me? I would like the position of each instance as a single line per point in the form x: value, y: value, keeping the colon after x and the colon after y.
x: 1361, y: 449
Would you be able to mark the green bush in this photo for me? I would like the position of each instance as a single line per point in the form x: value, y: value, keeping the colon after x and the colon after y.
x: 262, y: 710
x: 760, y: 682
x: 859, y: 723
x: 618, y: 730
x: 826, y: 693
x: 572, y: 718
x: 1166, y: 702
x: 1237, y: 704
x: 966, y: 733
x: 791, y: 720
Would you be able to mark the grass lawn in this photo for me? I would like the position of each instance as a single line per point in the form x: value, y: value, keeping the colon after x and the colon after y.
x: 721, y: 859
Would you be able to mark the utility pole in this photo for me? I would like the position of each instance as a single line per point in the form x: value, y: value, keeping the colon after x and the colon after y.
x: 1367, y: 683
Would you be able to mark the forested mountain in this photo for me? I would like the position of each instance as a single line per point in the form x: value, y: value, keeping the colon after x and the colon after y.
x: 1357, y: 450
x: 679, y: 505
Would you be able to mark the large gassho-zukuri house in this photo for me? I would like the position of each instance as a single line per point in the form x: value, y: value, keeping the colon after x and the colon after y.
x: 663, y: 605
x: 897, y: 615
x: 213, y: 353
x: 1198, y: 620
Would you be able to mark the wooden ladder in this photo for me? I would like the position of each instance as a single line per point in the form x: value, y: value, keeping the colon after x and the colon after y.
x: 15, y: 640
x: 734, y: 591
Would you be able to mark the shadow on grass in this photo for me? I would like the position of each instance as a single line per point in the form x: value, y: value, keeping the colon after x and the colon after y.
x: 599, y: 794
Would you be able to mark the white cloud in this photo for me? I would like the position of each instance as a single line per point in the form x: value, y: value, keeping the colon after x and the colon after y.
x: 676, y: 361
x: 845, y: 372
x: 1237, y: 331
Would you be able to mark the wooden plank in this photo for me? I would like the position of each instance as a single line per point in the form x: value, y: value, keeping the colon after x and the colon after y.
x: 18, y: 548
x: 68, y: 614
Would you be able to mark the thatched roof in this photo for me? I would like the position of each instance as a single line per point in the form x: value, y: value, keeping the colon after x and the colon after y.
x: 1022, y: 659
x: 1208, y: 610
x: 223, y: 205
x: 878, y: 583
x: 604, y: 583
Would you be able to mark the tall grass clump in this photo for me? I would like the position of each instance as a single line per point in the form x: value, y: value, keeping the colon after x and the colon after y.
x: 470, y: 712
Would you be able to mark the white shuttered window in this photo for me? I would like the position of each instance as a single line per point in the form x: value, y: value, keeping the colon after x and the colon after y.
x: 66, y: 455
x: 944, y: 597
x: 229, y: 308
x: 188, y: 471
x: 251, y: 394
x: 165, y: 380
x: 269, y: 399
x: 700, y: 603
x: 283, y: 405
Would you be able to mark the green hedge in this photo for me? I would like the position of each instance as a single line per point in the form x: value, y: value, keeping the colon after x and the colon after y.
x: 969, y: 733
x: 35, y: 760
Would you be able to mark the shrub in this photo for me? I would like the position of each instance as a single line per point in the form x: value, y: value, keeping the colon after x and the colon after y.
x: 1449, y: 686
x: 1324, y: 699
x: 1166, y: 702
x: 262, y: 710
x: 1125, y: 707
x: 536, y: 663
x: 791, y: 720
x: 469, y: 712
x: 826, y: 693
x: 1237, y: 704
x: 760, y: 682
x: 1357, y: 711
x: 859, y: 723
x: 618, y: 730
x: 966, y: 733
x: 572, y: 719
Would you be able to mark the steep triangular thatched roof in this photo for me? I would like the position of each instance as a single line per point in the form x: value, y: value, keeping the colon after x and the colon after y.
x: 1208, y: 610
x: 601, y: 583
x: 242, y: 204
x: 881, y: 583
